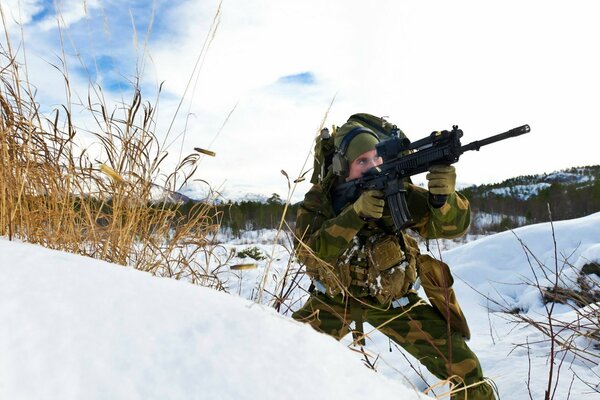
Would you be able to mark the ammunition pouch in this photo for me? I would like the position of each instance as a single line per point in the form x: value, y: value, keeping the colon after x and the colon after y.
x: 392, y: 271
x: 359, y: 275
x: 384, y: 253
x: 437, y: 282
x: 379, y: 268
x: 335, y: 277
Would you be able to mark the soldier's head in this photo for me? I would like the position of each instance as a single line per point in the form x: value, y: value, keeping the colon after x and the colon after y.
x: 355, y: 151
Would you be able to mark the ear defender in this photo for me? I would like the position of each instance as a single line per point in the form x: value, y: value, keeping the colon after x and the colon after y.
x: 339, y: 162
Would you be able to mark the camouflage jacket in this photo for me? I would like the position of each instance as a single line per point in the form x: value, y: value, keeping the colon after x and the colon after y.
x: 347, y: 254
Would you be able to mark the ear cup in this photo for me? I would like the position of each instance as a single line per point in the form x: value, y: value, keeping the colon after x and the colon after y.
x: 339, y: 164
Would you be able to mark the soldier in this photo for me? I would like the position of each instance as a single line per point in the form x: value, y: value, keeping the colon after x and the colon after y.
x: 362, y: 269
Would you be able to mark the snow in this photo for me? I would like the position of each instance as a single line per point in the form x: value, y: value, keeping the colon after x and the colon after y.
x: 591, y: 254
x: 263, y: 236
x: 531, y: 189
x: 521, y: 192
x: 482, y: 221
x: 77, y: 328
x: 563, y: 176
x: 198, y: 190
x: 81, y: 328
x: 497, y: 266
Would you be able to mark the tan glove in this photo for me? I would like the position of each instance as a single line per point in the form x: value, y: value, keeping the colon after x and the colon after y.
x: 441, y: 179
x: 370, y: 204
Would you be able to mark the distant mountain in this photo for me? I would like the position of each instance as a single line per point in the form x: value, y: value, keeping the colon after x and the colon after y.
x: 252, y: 197
x: 200, y: 191
x: 160, y: 194
x: 524, y: 200
x: 515, y: 202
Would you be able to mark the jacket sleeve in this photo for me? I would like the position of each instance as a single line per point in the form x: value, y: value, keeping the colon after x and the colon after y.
x: 326, y: 234
x: 323, y: 237
x: 447, y: 222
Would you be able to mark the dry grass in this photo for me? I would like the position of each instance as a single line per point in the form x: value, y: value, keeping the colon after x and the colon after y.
x: 55, y: 193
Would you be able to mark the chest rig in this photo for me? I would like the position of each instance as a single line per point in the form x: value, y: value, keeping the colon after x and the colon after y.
x: 376, y: 260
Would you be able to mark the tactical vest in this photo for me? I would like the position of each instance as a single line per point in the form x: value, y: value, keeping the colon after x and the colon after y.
x: 380, y: 264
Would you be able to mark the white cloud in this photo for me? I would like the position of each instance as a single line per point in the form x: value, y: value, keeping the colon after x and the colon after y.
x: 427, y: 65
x: 68, y: 12
x: 20, y: 11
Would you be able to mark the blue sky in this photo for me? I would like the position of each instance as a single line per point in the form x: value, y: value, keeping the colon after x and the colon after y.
x: 485, y: 66
x: 302, y: 78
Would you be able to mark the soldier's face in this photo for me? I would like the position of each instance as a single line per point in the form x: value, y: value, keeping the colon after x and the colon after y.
x: 363, y: 163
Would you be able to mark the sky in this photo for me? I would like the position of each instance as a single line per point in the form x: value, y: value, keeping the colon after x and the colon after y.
x: 273, y: 71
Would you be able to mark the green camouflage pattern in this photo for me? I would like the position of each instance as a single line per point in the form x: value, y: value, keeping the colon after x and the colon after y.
x: 338, y: 251
x: 447, y: 222
x: 437, y: 281
x: 330, y: 244
x: 417, y: 327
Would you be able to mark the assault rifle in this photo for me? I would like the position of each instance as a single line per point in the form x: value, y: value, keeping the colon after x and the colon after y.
x: 402, y: 159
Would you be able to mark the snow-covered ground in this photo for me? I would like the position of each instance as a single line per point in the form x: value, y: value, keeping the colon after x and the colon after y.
x: 532, y: 185
x: 521, y: 192
x: 73, y: 327
x: 77, y: 328
x: 497, y: 266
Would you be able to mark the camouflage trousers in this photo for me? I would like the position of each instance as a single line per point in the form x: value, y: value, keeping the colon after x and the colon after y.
x: 417, y: 327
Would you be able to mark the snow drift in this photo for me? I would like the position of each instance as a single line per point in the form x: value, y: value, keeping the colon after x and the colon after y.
x: 77, y: 328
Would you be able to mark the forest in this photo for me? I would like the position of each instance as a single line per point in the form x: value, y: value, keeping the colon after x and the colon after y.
x: 524, y: 200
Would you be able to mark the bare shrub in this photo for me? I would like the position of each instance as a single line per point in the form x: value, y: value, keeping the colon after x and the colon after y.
x: 569, y: 338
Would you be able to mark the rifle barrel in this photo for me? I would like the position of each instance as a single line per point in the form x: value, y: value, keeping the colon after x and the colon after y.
x: 476, y: 145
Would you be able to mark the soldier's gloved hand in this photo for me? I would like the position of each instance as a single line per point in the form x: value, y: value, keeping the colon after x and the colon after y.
x: 441, y: 180
x: 370, y: 204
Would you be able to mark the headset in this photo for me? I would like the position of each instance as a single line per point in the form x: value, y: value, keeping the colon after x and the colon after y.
x: 340, y: 163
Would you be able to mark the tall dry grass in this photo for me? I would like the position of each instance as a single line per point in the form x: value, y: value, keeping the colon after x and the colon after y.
x: 105, y: 205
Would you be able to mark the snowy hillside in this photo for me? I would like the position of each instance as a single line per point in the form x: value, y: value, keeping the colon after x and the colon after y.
x: 200, y: 191
x: 81, y: 328
x: 76, y: 328
x: 495, y: 266
x: 525, y: 200
x: 526, y: 187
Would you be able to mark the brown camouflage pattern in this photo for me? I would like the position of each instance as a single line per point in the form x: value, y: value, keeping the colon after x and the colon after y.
x: 337, y: 252
x: 329, y: 249
x: 417, y: 327
x: 437, y: 282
